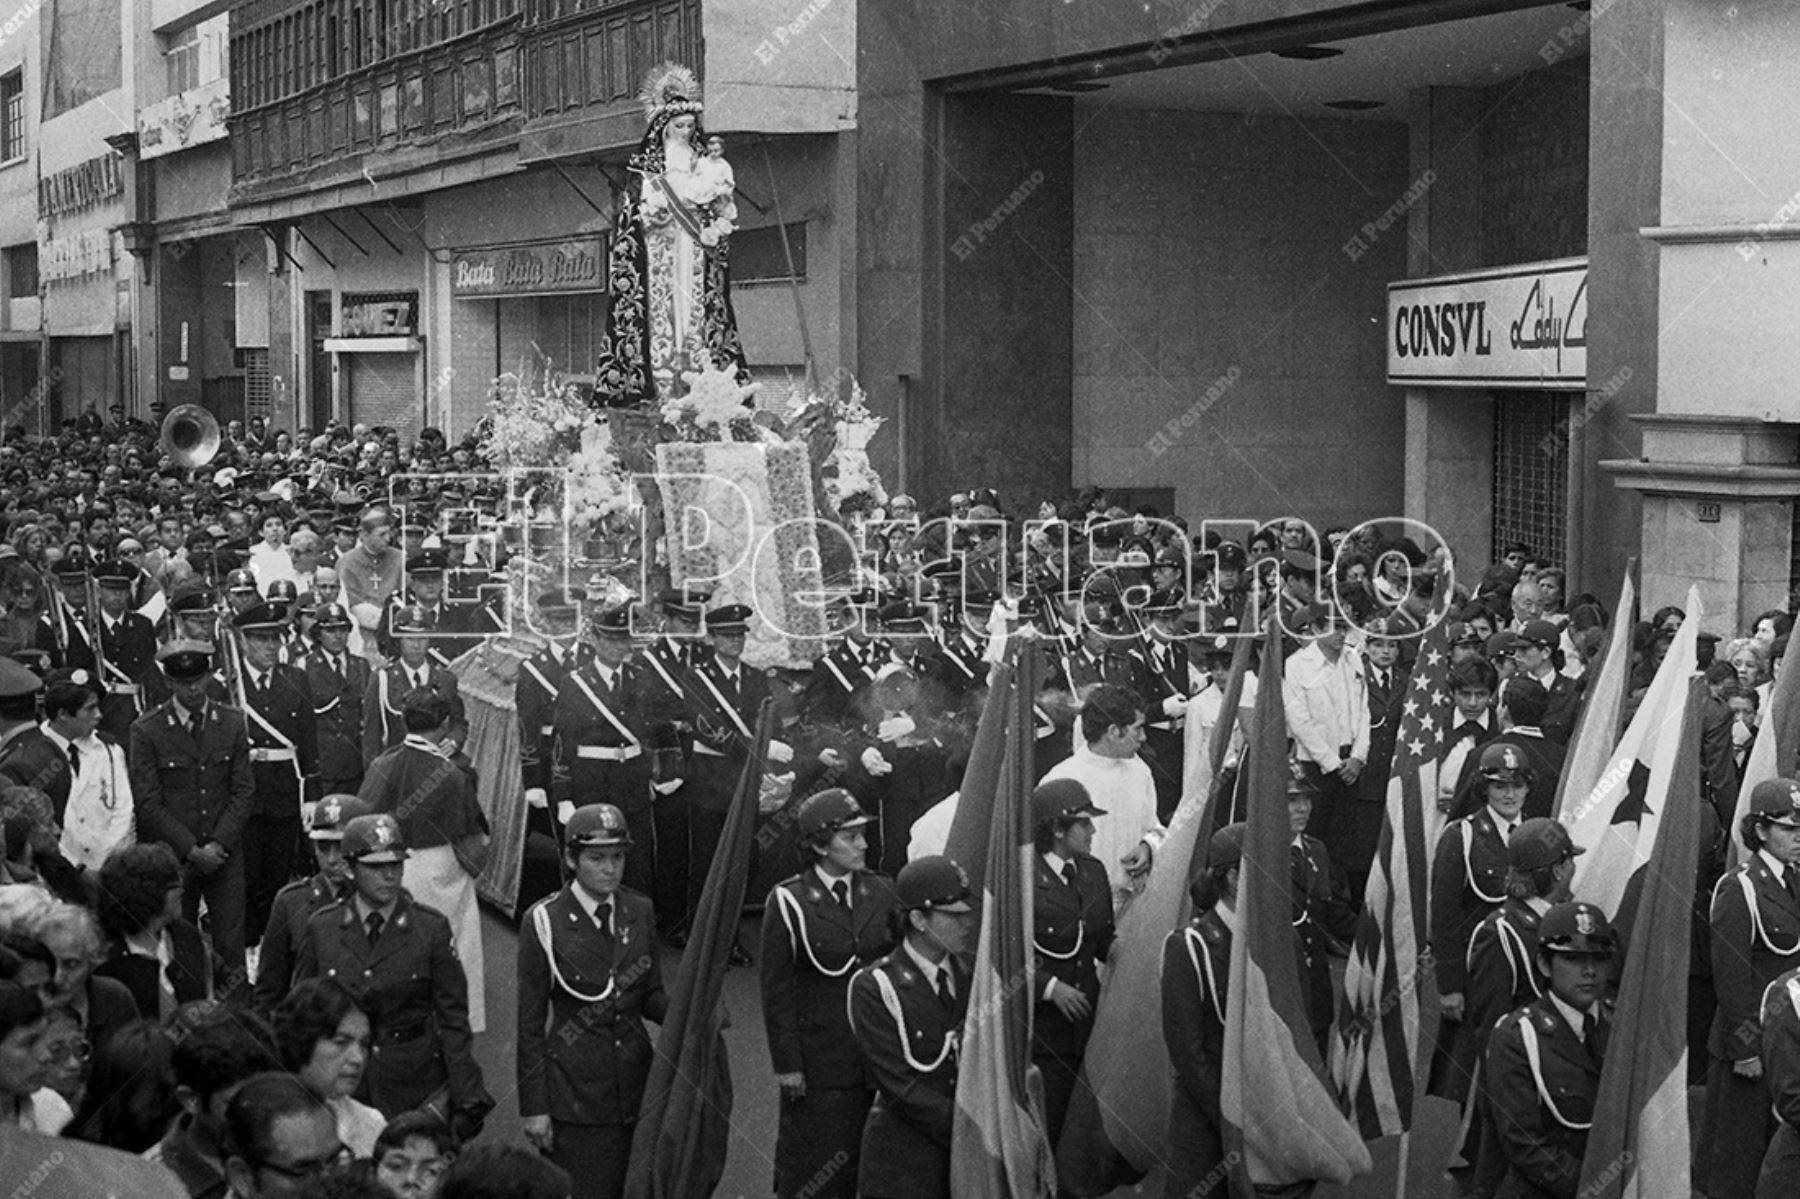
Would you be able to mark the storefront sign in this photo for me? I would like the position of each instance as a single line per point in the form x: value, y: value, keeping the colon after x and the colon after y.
x: 81, y: 186
x: 192, y: 118
x: 536, y: 269
x: 1519, y: 326
x: 389, y: 314
x: 75, y: 256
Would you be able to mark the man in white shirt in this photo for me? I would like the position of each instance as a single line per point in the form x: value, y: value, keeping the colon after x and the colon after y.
x: 98, y: 817
x: 1125, y: 839
x: 1328, y: 716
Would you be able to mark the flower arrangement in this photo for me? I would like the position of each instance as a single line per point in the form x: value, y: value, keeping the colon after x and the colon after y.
x: 715, y: 407
x: 536, y: 419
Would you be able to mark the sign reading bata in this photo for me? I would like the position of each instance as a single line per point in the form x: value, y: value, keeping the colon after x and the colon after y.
x: 529, y: 270
x: 1517, y: 326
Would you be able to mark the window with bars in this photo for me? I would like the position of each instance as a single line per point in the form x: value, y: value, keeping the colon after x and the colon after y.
x: 12, y: 115
x: 1531, y: 470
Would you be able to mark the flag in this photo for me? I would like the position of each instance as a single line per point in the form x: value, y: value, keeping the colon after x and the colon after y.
x: 1377, y: 1044
x: 1639, y: 1140
x: 967, y: 842
x: 1776, y: 746
x: 998, y: 1146
x: 683, y: 1126
x: 1281, y: 1119
x: 1613, y: 822
x: 1591, y: 746
x: 1118, y: 1117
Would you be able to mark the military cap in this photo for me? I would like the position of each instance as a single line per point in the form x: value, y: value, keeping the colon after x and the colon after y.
x: 331, y: 616
x: 1776, y: 801
x: 283, y: 591
x: 115, y: 574
x: 344, y: 524
x: 1503, y: 763
x: 1576, y: 928
x: 1540, y: 842
x: 597, y: 826
x: 1464, y: 633
x: 184, y: 660
x: 688, y: 603
x: 331, y: 814
x: 1168, y: 555
x: 17, y: 680
x: 983, y: 599
x: 75, y: 675
x: 1541, y: 633
x: 374, y: 839
x: 1299, y: 562
x: 731, y: 618
x: 1231, y: 555
x: 240, y: 581
x: 557, y: 601
x: 35, y: 660
x: 1102, y: 618
x: 1226, y: 847
x: 375, y: 518
x: 933, y: 883
x: 413, y: 618
x: 427, y: 562
x: 829, y: 811
x: 198, y: 600
x: 73, y: 564
x: 1062, y: 799
x: 612, y: 622
x: 1214, y: 648
x: 1502, y: 644
x: 257, y: 618
x: 1132, y: 559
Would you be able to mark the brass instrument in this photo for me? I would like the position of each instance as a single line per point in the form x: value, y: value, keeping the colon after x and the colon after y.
x: 190, y: 436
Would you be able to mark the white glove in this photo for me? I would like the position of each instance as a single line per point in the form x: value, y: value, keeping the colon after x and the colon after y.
x: 831, y: 759
x: 367, y: 615
x: 565, y: 810
x: 1175, y: 705
x: 896, y: 727
x: 667, y: 787
x: 874, y: 763
x: 537, y: 797
x: 780, y: 753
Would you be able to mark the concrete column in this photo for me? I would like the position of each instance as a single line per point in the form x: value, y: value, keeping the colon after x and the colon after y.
x: 1721, y: 457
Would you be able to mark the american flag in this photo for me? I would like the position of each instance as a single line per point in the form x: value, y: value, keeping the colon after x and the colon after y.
x: 1374, y: 1054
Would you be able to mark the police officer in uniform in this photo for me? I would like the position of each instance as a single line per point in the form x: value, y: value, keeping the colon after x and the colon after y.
x: 1170, y: 681
x: 384, y: 721
x: 1196, y: 980
x: 539, y: 682
x: 193, y: 616
x: 667, y: 661
x: 284, y: 758
x: 192, y: 783
x: 818, y: 927
x: 1468, y: 881
x: 395, y: 956
x: 338, y: 680
x: 589, y: 974
x: 1072, y: 932
x: 295, y: 903
x: 1542, y: 1071
x: 1755, y: 939
x: 842, y: 675
x: 906, y: 1012
x: 63, y: 629
x: 1781, y: 1069
x: 127, y: 649
x: 1324, y: 921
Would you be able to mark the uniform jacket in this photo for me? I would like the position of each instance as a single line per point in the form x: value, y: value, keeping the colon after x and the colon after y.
x: 1781, y: 1045
x: 383, y: 703
x: 1072, y: 933
x: 636, y: 702
x: 285, y: 705
x: 714, y: 728
x: 584, y: 1059
x: 186, y: 791
x: 839, y: 679
x: 1502, y: 968
x: 811, y: 945
x: 337, y: 700
x: 1564, y: 709
x: 1385, y: 704
x: 129, y: 649
x: 294, y: 905
x: 1082, y: 671
x: 31, y: 759
x: 539, y: 682
x: 1543, y: 1148
x: 911, y: 1050
x: 411, y: 985
x: 1323, y: 919
x: 1463, y: 891
x: 450, y: 636
x: 1544, y: 756
x: 1751, y: 947
x: 1196, y: 977
x: 63, y: 632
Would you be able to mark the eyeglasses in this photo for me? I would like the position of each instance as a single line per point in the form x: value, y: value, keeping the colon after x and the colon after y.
x: 75, y: 1051
x: 301, y: 1171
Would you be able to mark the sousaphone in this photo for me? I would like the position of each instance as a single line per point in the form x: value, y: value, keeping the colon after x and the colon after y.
x: 190, y: 436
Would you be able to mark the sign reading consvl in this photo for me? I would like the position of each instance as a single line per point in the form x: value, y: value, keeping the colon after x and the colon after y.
x: 1517, y: 326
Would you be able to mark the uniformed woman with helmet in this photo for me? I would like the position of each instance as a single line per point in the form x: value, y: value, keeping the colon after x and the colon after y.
x: 589, y: 973
x: 396, y: 957
x: 818, y: 927
x: 906, y: 1012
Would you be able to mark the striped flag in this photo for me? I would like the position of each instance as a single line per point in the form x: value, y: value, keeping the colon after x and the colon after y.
x: 1777, y: 745
x: 998, y: 1147
x: 1615, y: 822
x: 1597, y: 731
x: 1377, y: 1044
x: 1119, y: 1115
x: 966, y: 844
x: 1639, y: 1140
x: 1282, y: 1123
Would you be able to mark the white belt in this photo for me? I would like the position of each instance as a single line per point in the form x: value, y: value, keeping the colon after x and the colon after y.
x: 544, y: 730
x: 608, y: 753
x: 260, y: 754
x: 707, y: 751
x: 122, y: 688
x: 1166, y: 726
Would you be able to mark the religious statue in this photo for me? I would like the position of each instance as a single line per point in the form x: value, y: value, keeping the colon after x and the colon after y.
x: 668, y: 270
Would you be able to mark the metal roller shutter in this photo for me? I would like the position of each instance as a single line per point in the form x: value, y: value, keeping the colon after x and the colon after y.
x: 384, y: 390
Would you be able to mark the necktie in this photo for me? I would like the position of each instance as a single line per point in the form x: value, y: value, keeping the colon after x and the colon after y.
x: 194, y: 725
x: 841, y: 890
x: 1068, y: 873
x: 1589, y: 1026
x: 1468, y: 728
x: 946, y: 992
x: 74, y: 759
x: 417, y: 677
x: 603, y: 917
x: 374, y: 921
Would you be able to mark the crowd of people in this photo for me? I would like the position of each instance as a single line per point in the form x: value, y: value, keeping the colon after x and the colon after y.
x: 239, y: 932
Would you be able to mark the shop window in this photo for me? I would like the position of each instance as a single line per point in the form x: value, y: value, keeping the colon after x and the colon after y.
x: 1531, y: 471
x: 12, y: 117
x: 757, y: 255
x: 22, y: 271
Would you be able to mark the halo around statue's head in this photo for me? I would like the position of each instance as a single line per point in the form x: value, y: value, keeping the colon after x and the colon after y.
x: 670, y: 90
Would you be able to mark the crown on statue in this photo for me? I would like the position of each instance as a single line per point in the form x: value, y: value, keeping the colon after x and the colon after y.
x: 670, y: 89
